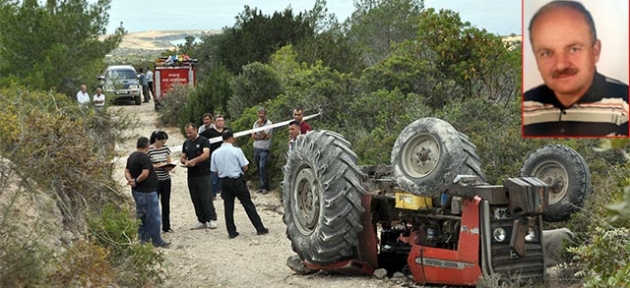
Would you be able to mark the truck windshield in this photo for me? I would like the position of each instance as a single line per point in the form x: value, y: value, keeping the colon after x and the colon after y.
x: 122, y: 74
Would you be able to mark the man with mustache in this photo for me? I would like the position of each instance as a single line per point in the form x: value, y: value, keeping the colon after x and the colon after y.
x: 576, y: 100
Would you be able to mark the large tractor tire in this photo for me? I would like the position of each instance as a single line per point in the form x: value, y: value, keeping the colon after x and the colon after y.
x: 322, y: 189
x: 568, y: 176
x: 429, y: 154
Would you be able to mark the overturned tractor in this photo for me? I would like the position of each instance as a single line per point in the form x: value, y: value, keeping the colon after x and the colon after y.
x: 430, y: 214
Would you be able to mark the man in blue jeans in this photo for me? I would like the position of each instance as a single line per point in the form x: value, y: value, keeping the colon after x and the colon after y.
x: 142, y: 178
x: 262, y: 143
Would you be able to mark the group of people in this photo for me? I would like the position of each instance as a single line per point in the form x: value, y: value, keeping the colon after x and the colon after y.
x: 83, y: 97
x: 214, y: 166
x: 262, y: 141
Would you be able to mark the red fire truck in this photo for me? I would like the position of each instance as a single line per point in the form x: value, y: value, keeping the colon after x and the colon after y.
x: 171, y: 70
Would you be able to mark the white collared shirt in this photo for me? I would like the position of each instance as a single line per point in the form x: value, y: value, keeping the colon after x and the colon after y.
x: 99, y: 97
x: 83, y: 98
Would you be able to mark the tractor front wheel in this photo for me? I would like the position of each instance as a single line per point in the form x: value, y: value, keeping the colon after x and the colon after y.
x: 322, y: 190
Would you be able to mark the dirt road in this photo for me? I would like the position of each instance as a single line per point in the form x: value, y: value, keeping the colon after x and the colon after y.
x: 207, y: 258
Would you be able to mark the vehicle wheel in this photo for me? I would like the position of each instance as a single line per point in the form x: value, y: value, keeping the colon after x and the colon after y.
x: 321, y: 195
x: 138, y: 100
x: 566, y: 172
x: 429, y: 153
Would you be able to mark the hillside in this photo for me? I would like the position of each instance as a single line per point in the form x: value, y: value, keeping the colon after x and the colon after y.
x: 146, y: 45
x: 159, y: 40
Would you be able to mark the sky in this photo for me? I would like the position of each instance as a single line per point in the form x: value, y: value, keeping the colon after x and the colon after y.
x: 496, y: 16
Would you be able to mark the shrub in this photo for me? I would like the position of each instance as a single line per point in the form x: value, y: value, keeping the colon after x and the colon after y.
x: 84, y: 264
x: 22, y: 261
x: 256, y: 84
x: 173, y: 105
x: 135, y: 265
x: 606, y: 260
x: 65, y: 151
x: 210, y: 96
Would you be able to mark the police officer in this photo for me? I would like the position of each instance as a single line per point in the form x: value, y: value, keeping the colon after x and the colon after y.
x: 230, y: 164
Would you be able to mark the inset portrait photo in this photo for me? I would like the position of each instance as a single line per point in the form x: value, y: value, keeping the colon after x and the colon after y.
x: 575, y: 68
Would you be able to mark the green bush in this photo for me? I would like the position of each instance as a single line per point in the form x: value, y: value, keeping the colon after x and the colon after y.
x: 210, y: 96
x: 173, y: 105
x: 21, y: 262
x: 116, y: 229
x: 256, y: 84
x: 83, y: 264
x: 606, y: 259
x: 71, y: 149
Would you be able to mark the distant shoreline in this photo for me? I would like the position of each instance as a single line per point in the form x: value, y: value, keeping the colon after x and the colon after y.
x: 168, y: 39
x: 160, y: 39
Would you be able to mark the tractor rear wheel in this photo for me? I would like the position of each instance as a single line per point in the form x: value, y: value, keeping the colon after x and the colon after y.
x: 321, y: 195
x: 429, y: 153
x: 568, y: 176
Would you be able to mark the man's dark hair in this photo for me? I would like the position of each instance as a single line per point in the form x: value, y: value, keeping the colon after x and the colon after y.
x: 577, y: 6
x: 143, y: 142
x: 206, y: 115
x: 190, y: 124
x: 294, y: 122
x: 298, y: 108
x: 227, y: 134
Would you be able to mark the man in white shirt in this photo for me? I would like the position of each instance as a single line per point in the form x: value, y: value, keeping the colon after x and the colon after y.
x: 150, y: 81
x: 99, y: 100
x: 207, y: 123
x: 294, y: 131
x: 83, y: 97
x: 262, y: 143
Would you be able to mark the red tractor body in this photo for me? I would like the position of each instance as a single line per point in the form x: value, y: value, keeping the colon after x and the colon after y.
x: 430, y: 214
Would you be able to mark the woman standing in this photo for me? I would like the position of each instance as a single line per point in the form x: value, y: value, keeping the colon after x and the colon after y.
x: 160, y: 155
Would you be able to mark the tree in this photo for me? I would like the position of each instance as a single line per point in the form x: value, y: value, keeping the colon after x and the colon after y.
x: 209, y: 96
x: 376, y: 24
x: 257, y: 84
x: 189, y: 45
x: 56, y: 44
x: 256, y: 36
x: 477, y: 60
x: 207, y: 52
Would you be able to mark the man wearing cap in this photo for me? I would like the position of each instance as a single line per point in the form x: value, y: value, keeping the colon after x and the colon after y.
x: 262, y: 144
x: 230, y: 164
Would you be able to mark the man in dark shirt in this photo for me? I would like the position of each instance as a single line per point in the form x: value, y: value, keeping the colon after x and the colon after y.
x: 142, y: 178
x: 210, y: 133
x: 575, y: 100
x: 196, y: 156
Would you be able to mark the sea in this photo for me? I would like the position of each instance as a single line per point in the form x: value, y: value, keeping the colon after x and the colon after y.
x: 501, y: 17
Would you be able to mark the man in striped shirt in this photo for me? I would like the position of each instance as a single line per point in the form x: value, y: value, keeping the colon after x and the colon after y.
x: 575, y: 100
